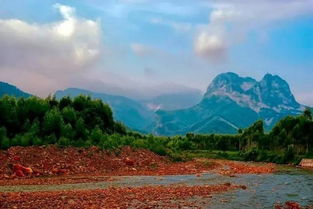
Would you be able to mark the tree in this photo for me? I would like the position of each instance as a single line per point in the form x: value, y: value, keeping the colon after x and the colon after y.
x: 307, y: 113
x: 4, y: 140
x: 53, y: 122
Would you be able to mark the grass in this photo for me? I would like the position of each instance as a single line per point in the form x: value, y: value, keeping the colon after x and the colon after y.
x: 214, y: 154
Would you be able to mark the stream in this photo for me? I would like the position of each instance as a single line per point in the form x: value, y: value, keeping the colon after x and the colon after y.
x: 263, y: 190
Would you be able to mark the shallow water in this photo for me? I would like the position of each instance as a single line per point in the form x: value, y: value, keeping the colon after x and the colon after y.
x: 263, y: 191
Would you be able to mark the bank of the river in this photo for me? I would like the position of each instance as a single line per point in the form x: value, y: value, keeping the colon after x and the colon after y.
x: 37, y: 165
x: 209, y: 190
x: 141, y: 179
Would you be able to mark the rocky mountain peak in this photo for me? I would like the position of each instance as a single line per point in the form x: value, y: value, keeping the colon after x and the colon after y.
x: 275, y: 92
x: 229, y: 82
x: 271, y: 92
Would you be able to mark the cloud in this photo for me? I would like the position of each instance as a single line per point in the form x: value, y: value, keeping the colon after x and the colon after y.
x: 231, y: 21
x: 51, y: 52
x: 211, y: 46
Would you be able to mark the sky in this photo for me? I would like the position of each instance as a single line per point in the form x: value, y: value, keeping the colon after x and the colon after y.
x: 143, y: 48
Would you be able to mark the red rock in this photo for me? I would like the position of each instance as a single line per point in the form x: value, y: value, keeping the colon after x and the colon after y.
x: 129, y: 161
x: 19, y: 173
x: 16, y: 158
x: 27, y: 171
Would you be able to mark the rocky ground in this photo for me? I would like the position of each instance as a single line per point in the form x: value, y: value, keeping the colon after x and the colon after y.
x: 52, y: 166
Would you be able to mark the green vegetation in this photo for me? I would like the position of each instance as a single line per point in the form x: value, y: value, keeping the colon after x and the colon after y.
x: 82, y: 121
x: 35, y: 121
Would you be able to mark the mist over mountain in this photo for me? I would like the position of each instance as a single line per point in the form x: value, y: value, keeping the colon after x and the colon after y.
x: 174, y: 101
x: 132, y: 113
x: 232, y: 102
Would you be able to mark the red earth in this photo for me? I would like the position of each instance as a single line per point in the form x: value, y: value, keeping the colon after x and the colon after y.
x: 122, y: 198
x: 55, y: 165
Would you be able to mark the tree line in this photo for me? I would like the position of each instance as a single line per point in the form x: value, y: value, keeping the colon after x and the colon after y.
x: 82, y: 121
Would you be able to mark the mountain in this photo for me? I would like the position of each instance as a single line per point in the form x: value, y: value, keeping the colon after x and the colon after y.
x: 8, y: 89
x: 232, y: 102
x: 174, y: 101
x: 133, y: 114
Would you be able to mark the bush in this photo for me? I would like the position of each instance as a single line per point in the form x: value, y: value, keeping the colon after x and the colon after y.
x: 63, y: 141
x: 5, y: 143
x: 36, y: 141
x: 26, y: 140
x: 16, y: 141
x: 222, y: 155
x: 251, y: 155
x: 159, y: 149
x: 139, y: 143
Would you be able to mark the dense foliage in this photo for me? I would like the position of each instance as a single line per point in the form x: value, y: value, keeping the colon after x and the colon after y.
x: 290, y: 139
x: 82, y: 121
x: 35, y: 121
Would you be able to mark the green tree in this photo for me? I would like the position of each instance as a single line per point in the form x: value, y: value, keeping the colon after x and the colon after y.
x: 53, y: 122
x: 307, y: 113
x: 4, y: 140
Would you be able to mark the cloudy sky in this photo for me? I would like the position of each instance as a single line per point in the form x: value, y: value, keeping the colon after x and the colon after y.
x: 146, y: 47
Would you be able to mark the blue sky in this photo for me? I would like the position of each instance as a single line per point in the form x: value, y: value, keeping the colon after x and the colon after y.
x: 142, y: 48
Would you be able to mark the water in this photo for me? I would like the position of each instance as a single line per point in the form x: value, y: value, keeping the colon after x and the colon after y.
x: 263, y: 191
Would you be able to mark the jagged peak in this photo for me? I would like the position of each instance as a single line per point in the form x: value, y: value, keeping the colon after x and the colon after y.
x: 270, y: 78
x: 270, y: 92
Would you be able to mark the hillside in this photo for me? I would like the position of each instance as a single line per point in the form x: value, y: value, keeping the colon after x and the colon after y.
x: 232, y: 102
x: 8, y: 89
x: 133, y: 114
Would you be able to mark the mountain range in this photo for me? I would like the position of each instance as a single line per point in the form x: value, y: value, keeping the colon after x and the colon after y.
x: 230, y: 102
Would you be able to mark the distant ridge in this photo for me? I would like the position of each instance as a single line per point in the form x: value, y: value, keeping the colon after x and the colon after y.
x: 133, y: 114
x: 8, y: 89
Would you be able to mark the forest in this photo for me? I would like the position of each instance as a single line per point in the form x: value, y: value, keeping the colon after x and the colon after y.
x: 85, y: 122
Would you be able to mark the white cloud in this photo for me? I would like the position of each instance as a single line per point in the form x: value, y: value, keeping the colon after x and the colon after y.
x: 51, y: 51
x: 211, y: 46
x: 230, y: 21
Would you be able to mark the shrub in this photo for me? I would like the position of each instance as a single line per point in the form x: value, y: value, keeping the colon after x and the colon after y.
x: 26, y: 140
x: 36, y: 141
x: 5, y: 143
x: 63, y: 141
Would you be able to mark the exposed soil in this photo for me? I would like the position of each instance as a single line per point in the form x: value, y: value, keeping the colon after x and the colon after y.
x: 125, y: 197
x: 52, y: 165
x: 55, y: 165
x: 234, y: 167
